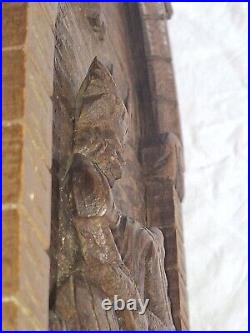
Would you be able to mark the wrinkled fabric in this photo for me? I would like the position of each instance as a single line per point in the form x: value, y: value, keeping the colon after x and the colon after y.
x: 209, y: 48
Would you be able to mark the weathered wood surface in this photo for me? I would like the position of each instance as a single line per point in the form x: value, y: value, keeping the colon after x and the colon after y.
x: 109, y: 254
x: 131, y: 40
x: 28, y: 56
x: 161, y: 151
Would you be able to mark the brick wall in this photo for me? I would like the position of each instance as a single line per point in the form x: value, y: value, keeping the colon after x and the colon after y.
x: 28, y: 48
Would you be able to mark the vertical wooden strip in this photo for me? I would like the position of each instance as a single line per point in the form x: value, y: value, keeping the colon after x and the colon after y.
x: 27, y: 114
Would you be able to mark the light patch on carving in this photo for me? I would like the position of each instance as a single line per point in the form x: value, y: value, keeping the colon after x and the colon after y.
x: 32, y: 196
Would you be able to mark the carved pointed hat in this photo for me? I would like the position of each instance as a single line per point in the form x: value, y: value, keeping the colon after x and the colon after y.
x: 101, y: 120
x: 97, y: 81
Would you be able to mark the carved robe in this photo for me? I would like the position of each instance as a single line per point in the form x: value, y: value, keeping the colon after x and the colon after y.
x: 118, y: 256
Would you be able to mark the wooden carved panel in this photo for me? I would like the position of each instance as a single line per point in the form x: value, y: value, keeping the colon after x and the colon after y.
x: 114, y: 254
x: 117, y: 172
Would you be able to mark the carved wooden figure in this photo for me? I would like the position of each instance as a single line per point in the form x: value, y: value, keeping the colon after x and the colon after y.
x: 113, y: 254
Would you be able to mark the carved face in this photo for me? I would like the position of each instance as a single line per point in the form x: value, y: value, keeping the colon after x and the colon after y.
x: 102, y: 125
x: 104, y: 147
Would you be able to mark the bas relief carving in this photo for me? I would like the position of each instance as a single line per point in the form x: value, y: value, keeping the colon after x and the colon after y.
x: 113, y: 254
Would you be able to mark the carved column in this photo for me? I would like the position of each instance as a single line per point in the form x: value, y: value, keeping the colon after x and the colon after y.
x: 162, y: 154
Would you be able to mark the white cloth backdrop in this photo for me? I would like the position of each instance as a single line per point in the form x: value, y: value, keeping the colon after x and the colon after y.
x: 209, y: 48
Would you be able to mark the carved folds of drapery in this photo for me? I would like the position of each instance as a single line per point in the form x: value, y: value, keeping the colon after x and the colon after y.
x: 108, y: 253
